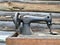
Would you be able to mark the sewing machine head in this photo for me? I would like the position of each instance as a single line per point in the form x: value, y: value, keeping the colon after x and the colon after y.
x: 26, y: 20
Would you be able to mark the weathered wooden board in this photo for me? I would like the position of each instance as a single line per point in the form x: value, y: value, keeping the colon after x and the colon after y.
x: 14, y: 6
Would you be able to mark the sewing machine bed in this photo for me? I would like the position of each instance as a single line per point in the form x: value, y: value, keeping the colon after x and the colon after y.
x: 40, y: 35
x: 38, y: 38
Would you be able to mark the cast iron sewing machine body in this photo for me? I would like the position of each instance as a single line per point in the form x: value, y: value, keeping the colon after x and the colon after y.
x: 26, y: 20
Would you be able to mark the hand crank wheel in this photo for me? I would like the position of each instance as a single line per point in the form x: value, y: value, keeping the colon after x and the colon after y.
x: 16, y: 20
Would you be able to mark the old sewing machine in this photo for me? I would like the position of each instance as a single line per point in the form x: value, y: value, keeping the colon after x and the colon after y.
x: 27, y: 20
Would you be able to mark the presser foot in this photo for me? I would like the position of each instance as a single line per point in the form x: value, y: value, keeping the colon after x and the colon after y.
x: 53, y: 33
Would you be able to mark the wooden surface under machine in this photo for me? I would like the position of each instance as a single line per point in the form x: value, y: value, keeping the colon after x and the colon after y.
x: 37, y: 38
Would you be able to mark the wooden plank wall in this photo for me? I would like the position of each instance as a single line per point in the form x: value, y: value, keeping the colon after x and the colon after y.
x: 8, y: 24
x: 36, y: 8
x: 14, y: 6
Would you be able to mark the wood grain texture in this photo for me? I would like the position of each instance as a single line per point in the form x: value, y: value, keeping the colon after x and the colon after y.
x: 29, y: 7
x: 25, y: 41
